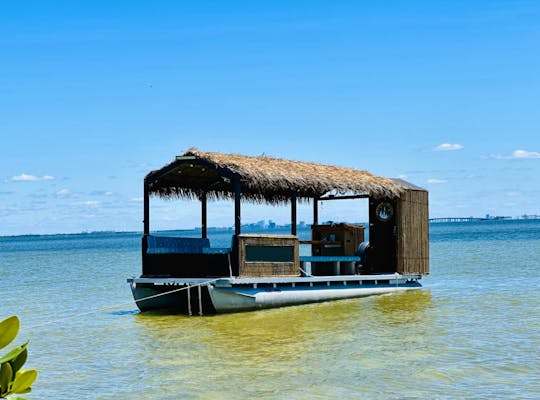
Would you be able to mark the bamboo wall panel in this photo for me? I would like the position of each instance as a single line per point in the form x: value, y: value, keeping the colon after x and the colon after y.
x: 262, y: 268
x: 413, y: 233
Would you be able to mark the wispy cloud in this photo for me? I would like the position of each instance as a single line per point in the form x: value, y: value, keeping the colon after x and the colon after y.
x: 88, y: 203
x: 516, y: 155
x: 448, y: 147
x: 64, y: 193
x: 31, y: 178
x: 435, y: 181
x: 100, y: 193
x: 137, y: 199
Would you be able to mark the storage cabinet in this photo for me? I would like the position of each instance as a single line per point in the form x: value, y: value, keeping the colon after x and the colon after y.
x: 336, y: 239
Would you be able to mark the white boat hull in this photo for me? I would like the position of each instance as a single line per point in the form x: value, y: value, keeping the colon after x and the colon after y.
x: 228, y: 295
x: 231, y: 300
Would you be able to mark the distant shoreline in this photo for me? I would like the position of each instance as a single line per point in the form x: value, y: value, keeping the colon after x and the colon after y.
x: 248, y: 228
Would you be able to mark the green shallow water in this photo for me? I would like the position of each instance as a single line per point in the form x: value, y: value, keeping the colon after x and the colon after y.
x: 472, y: 332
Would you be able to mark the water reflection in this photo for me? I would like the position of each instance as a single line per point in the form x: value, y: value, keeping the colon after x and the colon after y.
x: 259, y: 354
x: 289, y: 330
x: 257, y: 351
x: 403, y: 308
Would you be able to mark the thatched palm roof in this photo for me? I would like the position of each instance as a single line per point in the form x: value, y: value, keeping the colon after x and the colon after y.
x: 262, y: 178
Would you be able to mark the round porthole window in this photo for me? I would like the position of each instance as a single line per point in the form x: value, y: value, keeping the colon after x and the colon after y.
x: 384, y: 211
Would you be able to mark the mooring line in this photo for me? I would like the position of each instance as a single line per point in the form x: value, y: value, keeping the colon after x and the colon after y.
x: 305, y: 273
x: 188, y: 286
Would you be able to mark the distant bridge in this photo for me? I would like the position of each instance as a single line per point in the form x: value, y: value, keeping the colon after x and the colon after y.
x: 467, y: 219
x: 456, y: 219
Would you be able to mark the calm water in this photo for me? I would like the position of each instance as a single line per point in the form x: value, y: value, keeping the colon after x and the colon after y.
x: 473, y: 332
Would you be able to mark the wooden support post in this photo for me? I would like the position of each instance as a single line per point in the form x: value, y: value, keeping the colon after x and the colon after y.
x: 146, y: 212
x: 237, y: 195
x: 293, y: 214
x: 315, y: 211
x: 204, y: 231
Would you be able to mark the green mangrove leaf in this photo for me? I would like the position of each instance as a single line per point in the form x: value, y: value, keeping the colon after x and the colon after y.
x: 6, y: 375
x: 9, y: 328
x: 13, y: 354
x: 23, y: 380
x: 21, y: 398
x: 19, y: 361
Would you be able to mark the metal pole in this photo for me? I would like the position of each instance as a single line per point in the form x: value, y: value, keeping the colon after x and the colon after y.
x: 199, y: 290
x: 189, y: 299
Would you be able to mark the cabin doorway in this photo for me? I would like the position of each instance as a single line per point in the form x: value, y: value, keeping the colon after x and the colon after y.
x: 383, y: 235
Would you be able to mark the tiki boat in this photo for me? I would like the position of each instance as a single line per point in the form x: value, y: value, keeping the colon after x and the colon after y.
x: 188, y: 275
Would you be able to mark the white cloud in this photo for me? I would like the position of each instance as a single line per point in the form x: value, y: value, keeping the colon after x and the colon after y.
x: 448, y: 147
x: 30, y: 178
x: 137, y: 199
x: 435, y: 181
x: 24, y: 178
x: 525, y: 154
x: 516, y: 155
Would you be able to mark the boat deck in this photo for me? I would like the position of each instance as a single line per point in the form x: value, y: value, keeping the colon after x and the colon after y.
x: 226, y: 282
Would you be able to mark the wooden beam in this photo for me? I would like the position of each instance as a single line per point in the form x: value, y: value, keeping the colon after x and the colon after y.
x: 315, y: 211
x: 146, y: 212
x: 355, y: 196
x: 154, y: 176
x: 237, y: 214
x: 204, y: 231
x: 293, y: 214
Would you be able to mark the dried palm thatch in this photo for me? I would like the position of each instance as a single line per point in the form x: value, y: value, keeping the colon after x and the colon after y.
x: 262, y: 178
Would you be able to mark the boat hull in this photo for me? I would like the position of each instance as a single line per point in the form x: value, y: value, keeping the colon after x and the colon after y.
x: 226, y: 295
x: 227, y: 300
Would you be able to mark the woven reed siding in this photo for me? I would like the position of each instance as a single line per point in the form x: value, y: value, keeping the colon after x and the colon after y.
x: 265, y: 269
x: 413, y: 233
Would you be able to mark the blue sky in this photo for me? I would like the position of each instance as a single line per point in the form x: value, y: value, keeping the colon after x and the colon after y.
x: 95, y: 94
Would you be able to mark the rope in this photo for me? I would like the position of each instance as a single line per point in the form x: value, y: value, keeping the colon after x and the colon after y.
x: 171, y: 291
x: 122, y: 304
x: 305, y: 273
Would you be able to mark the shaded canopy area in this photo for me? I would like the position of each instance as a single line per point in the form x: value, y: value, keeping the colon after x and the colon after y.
x: 262, y: 179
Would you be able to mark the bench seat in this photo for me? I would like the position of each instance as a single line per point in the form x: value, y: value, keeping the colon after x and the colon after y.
x: 180, y: 245
x: 306, y: 261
